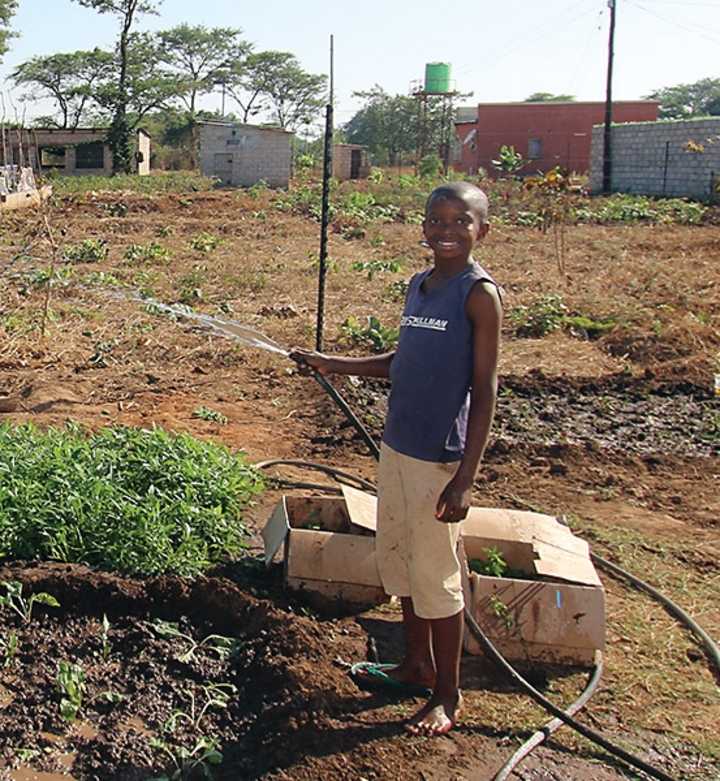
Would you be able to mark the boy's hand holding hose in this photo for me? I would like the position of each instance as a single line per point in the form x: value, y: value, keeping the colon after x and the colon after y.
x: 307, y: 360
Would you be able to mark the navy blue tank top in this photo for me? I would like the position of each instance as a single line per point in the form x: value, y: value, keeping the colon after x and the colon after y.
x: 431, y: 371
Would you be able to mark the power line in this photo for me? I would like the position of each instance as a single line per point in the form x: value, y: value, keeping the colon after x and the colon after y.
x: 701, y: 31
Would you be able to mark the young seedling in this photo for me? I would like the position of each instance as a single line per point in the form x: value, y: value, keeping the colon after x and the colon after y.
x: 211, y: 415
x: 9, y: 647
x: 106, y: 647
x: 71, y: 685
x: 204, y: 751
x: 223, y: 646
x: 24, y: 607
x: 203, y: 754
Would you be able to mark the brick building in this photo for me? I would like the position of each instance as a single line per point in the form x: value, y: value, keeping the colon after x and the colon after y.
x: 242, y: 155
x: 545, y: 134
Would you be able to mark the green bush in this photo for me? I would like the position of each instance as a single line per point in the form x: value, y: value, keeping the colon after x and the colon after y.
x: 142, y: 502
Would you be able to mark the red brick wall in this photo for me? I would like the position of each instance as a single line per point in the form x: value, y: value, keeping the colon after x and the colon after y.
x: 563, y: 130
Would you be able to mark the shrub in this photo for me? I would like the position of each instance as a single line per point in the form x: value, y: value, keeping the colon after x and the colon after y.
x: 137, y: 501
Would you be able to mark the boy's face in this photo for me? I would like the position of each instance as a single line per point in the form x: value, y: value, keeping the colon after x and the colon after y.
x: 452, y: 227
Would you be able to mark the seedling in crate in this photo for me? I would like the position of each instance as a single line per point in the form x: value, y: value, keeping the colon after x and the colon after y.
x: 223, y: 646
x: 71, y: 685
x: 24, y: 607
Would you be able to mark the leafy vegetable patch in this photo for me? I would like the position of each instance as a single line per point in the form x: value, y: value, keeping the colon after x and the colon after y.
x: 133, y: 500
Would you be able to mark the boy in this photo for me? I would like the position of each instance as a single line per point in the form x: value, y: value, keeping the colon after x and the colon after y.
x: 442, y: 401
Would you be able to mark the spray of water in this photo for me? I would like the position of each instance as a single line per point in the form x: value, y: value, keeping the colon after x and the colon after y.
x: 230, y: 329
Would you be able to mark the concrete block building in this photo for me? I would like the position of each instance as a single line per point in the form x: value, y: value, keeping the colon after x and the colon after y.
x: 669, y: 158
x: 350, y: 161
x: 546, y: 134
x: 76, y: 152
x: 242, y: 155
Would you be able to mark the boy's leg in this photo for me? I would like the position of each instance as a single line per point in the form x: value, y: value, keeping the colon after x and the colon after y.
x: 417, y: 664
x: 440, y: 713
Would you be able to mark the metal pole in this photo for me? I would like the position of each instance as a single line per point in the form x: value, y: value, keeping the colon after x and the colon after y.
x: 607, y: 135
x: 327, y: 173
x: 222, y: 110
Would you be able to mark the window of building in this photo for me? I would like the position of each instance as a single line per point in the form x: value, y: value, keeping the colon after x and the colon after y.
x: 90, y: 155
x: 534, y: 148
x: 52, y: 156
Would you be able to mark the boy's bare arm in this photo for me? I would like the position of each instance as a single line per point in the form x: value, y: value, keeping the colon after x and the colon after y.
x: 485, y: 313
x: 370, y: 366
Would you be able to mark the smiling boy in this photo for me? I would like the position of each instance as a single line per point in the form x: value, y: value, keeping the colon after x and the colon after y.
x: 442, y: 401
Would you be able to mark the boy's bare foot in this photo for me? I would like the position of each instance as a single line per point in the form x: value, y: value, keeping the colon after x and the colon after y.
x: 437, y: 717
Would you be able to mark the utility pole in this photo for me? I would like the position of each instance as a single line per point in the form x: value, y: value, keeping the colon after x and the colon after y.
x: 327, y: 174
x: 607, y: 135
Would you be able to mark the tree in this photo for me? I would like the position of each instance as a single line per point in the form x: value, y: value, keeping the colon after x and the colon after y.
x: 200, y: 56
x: 70, y: 79
x: 386, y: 124
x: 548, y: 97
x: 127, y: 11
x: 291, y: 95
x: 7, y: 10
x: 702, y: 98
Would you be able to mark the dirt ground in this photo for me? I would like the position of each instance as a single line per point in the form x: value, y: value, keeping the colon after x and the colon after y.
x: 620, y: 435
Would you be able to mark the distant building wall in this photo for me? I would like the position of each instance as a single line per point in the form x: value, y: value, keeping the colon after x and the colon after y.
x: 79, y: 152
x: 655, y: 158
x: 242, y: 155
x: 545, y: 134
x: 143, y: 153
x: 350, y: 161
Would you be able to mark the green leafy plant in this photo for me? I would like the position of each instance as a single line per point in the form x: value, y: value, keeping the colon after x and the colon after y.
x: 221, y: 645
x: 205, y: 242
x: 373, y: 267
x: 374, y: 335
x: 133, y: 500
x: 87, y: 251
x: 71, y: 686
x: 396, y: 291
x: 9, y: 645
x: 540, y: 318
x: 493, y: 564
x: 502, y: 611
x: 203, y: 752
x: 211, y: 415
x: 15, y: 601
x: 152, y: 252
x: 509, y: 160
x: 429, y: 166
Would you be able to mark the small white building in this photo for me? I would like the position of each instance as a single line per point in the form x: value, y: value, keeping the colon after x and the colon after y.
x: 243, y: 155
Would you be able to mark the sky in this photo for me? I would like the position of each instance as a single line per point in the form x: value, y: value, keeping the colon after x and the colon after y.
x: 499, y: 51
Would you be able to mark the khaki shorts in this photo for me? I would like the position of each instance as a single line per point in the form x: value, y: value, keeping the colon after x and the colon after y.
x: 416, y: 553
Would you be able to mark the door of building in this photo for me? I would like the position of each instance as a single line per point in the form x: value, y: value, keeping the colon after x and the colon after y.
x: 355, y: 163
x: 223, y: 167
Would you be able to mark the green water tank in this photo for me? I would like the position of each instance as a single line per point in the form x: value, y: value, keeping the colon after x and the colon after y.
x: 437, y: 77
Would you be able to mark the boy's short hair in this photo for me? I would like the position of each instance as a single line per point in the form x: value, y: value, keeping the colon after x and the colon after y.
x: 470, y: 194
